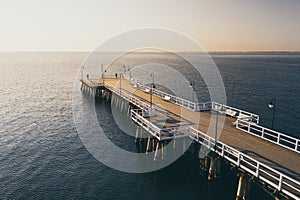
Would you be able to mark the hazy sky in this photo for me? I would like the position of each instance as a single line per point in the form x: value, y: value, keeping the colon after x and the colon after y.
x: 230, y: 25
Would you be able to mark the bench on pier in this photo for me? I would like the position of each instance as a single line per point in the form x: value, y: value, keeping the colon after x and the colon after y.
x: 167, y: 98
x: 230, y: 113
x: 244, y: 117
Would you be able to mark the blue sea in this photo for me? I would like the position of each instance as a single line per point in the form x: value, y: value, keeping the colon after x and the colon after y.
x: 42, y: 156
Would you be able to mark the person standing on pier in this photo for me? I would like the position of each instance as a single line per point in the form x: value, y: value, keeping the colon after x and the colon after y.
x: 116, y: 75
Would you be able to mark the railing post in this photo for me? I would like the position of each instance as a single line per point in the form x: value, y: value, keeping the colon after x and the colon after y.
x: 237, y: 123
x: 257, y: 170
x: 278, y: 139
x: 280, y: 183
x: 239, y: 160
x: 296, y: 146
x: 222, y: 150
x: 248, y: 127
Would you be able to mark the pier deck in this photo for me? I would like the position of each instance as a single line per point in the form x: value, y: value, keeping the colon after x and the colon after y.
x: 275, y: 156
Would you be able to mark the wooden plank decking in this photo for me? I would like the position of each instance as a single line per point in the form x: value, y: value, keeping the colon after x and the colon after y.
x: 275, y: 156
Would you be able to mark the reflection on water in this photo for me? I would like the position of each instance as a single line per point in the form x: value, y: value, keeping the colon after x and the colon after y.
x: 41, y: 155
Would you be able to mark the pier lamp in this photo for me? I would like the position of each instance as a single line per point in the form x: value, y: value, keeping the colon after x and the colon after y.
x: 217, y: 112
x: 121, y: 75
x: 124, y: 68
x: 192, y: 83
x: 272, y: 105
x: 151, y: 91
x: 129, y: 69
x: 102, y: 75
x: 216, y: 133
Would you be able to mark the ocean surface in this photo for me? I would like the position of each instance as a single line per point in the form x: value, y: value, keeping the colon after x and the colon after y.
x: 42, y: 156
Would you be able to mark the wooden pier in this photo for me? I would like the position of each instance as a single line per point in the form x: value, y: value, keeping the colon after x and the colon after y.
x: 268, y: 156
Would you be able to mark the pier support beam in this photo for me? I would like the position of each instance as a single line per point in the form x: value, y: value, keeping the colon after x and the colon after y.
x: 218, y: 167
x: 243, y: 189
x: 212, y: 167
x: 148, y: 144
x: 239, y: 192
x: 136, y: 133
x: 128, y: 110
x: 204, y: 165
x: 153, y: 144
x: 141, y: 134
x: 162, y: 150
x: 206, y: 162
x: 156, y: 150
x: 247, y: 189
x: 183, y: 146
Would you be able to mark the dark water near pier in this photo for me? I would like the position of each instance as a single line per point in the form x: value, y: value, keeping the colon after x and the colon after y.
x: 42, y: 157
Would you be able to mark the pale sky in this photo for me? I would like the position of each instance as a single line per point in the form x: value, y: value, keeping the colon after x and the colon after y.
x: 82, y: 25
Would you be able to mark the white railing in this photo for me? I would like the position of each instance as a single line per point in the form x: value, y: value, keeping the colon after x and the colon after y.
x: 168, y: 97
x: 235, y: 112
x: 246, y: 121
x: 128, y: 96
x: 204, y: 106
x: 261, y: 171
x: 269, y: 135
x: 267, y: 174
x: 160, y: 134
x: 141, y: 121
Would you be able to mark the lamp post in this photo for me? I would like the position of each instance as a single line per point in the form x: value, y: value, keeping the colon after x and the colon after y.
x: 216, y: 133
x: 102, y: 75
x: 130, y: 74
x: 129, y: 69
x: 121, y: 74
x: 151, y: 90
x: 217, y: 112
x: 272, y: 105
x: 192, y: 83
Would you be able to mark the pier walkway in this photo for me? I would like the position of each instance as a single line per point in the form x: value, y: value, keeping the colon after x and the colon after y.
x: 269, y: 156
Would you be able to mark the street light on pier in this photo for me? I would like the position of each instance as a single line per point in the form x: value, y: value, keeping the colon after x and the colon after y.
x: 272, y: 105
x: 121, y: 75
x: 102, y: 75
x: 217, y: 112
x: 124, y: 68
x: 192, y: 84
x: 151, y: 90
x: 216, y: 133
x: 129, y: 69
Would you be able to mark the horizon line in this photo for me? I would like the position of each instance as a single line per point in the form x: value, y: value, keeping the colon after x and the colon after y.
x: 212, y: 51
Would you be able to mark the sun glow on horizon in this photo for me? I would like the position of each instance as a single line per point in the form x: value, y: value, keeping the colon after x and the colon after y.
x: 259, y: 25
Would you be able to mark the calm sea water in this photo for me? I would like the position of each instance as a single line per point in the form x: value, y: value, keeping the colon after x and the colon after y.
x: 42, y: 157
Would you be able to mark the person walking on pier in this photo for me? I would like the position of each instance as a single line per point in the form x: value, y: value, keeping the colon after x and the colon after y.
x: 116, y: 75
